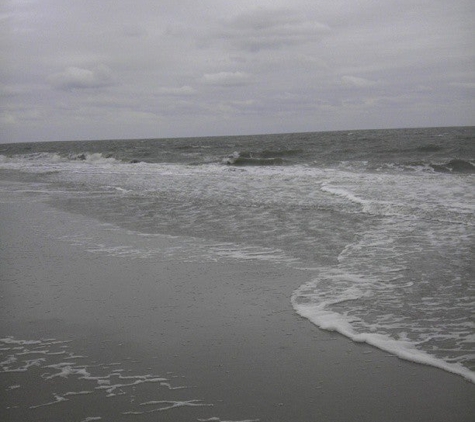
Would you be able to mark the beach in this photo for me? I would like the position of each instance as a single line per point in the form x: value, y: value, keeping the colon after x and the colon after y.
x: 237, y: 212
x: 88, y: 334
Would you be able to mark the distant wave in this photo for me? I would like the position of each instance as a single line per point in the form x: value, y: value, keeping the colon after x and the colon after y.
x: 260, y: 158
x: 455, y: 166
x: 429, y: 148
x: 96, y: 157
x: 101, y: 158
x: 242, y: 161
x: 50, y: 157
x: 278, y: 153
x: 452, y: 166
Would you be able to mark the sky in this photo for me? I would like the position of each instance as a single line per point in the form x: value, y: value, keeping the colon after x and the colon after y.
x: 120, y: 69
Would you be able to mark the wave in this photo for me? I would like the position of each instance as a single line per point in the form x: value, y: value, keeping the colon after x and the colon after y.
x: 429, y: 148
x: 50, y: 157
x: 278, y: 153
x: 95, y: 157
x: 260, y: 158
x: 306, y: 304
x: 454, y: 166
x: 240, y: 161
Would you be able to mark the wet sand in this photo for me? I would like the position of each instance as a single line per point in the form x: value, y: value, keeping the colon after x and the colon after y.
x: 93, y: 335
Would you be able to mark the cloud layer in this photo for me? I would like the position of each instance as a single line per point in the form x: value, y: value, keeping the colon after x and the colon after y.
x: 116, y: 69
x: 270, y: 29
x: 78, y: 78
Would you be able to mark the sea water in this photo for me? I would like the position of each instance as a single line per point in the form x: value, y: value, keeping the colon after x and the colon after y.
x: 384, y: 219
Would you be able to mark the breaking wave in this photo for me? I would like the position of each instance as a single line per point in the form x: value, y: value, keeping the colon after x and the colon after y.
x: 455, y: 166
x: 49, y: 157
x: 262, y: 158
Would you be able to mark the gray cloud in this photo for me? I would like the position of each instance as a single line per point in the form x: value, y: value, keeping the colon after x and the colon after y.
x: 359, y: 82
x: 165, y: 68
x: 181, y: 91
x: 226, y: 79
x: 268, y: 29
x: 79, y: 78
x: 463, y: 85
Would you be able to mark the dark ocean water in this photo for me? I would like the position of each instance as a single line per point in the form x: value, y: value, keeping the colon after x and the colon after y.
x: 385, y: 218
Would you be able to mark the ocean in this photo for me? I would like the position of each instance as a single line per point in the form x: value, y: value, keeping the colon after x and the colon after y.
x: 383, y: 220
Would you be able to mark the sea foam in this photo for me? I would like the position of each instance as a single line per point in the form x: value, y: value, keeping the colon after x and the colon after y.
x: 309, y: 302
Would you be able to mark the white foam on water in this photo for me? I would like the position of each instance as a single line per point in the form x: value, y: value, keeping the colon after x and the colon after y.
x: 27, y: 364
x: 167, y: 405
x: 41, y: 352
x: 344, y: 193
x: 108, y: 239
x: 136, y: 380
x: 405, y: 284
x: 57, y: 399
x: 318, y: 312
x: 61, y: 398
x: 103, y: 381
x: 418, y: 230
x: 435, y: 196
x: 11, y: 340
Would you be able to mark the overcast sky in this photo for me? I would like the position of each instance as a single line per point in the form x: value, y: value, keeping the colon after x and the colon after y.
x: 106, y: 69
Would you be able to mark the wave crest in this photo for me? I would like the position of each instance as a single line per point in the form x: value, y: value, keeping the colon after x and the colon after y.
x: 259, y: 158
x: 454, y: 166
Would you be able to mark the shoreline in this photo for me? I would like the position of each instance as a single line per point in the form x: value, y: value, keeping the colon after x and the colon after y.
x: 407, y: 352
x: 224, y: 330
